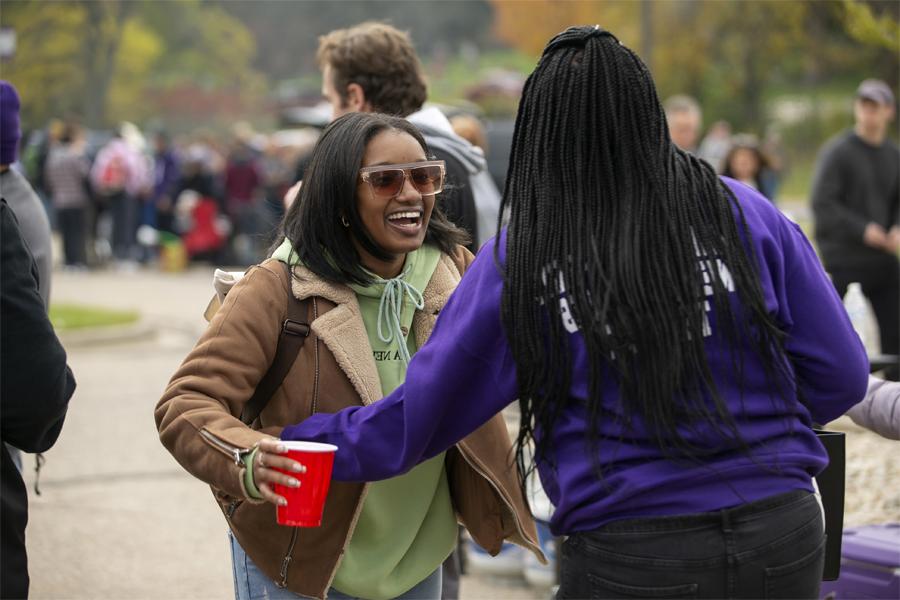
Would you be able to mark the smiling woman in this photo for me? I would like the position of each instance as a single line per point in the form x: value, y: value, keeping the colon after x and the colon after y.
x: 396, y: 197
x: 374, y: 260
x: 376, y: 166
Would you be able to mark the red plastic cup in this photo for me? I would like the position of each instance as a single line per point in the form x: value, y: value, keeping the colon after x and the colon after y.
x: 305, y: 503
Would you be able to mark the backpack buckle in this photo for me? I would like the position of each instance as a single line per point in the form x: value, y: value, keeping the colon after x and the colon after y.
x: 295, y: 328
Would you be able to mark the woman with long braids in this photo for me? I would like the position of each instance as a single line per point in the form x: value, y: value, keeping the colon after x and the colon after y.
x: 670, y: 338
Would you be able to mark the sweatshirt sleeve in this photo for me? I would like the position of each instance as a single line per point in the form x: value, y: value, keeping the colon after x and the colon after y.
x: 880, y: 410
x: 828, y: 357
x: 456, y: 382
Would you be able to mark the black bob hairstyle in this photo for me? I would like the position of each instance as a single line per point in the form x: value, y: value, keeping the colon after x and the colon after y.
x: 328, y: 194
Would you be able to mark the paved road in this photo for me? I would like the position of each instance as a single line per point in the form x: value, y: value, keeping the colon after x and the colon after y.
x: 118, y: 518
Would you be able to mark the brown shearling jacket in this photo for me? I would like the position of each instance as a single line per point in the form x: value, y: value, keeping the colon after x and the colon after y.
x: 198, y: 420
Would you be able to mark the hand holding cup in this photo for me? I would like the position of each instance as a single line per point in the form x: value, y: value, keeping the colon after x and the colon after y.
x: 269, y: 467
x: 295, y: 476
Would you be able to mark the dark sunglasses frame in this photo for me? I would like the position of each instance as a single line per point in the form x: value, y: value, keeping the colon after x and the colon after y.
x: 405, y: 170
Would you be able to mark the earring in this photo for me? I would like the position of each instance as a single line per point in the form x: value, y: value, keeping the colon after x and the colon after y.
x: 345, y: 222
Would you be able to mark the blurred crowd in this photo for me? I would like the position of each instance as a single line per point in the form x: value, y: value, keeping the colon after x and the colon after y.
x: 127, y: 197
x: 759, y: 163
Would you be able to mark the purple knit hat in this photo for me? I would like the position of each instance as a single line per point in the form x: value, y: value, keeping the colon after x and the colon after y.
x: 9, y: 123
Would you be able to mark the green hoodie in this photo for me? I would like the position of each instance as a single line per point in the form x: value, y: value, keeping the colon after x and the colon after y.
x: 407, y: 526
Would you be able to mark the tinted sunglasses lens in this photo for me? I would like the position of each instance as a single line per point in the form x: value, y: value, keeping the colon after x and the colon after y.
x: 428, y: 180
x: 387, y: 182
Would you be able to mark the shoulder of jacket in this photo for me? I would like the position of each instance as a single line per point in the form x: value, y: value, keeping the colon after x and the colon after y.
x: 270, y: 265
x: 269, y: 275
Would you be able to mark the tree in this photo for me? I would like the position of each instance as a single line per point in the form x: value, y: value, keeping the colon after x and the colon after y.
x: 288, y: 32
x: 864, y: 23
x: 96, y: 60
x: 729, y: 55
x: 103, y: 27
x: 528, y: 25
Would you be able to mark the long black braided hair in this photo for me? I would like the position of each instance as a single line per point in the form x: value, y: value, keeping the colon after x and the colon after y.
x: 609, y: 215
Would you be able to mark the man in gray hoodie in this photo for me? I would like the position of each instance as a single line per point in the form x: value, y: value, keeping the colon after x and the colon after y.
x: 372, y: 67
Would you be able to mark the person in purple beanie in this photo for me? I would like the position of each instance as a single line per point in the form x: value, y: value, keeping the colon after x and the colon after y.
x: 670, y: 337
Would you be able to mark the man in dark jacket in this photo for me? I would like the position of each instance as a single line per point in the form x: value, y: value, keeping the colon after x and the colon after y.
x: 856, y: 204
x: 35, y: 387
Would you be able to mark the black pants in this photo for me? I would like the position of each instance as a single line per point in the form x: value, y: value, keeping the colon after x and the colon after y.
x: 772, y: 548
x: 124, y: 216
x: 880, y: 283
x: 73, y: 228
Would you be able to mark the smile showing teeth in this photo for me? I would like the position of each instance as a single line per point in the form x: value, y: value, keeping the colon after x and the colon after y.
x: 404, y: 215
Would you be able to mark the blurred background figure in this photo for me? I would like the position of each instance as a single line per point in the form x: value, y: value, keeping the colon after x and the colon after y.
x: 685, y: 119
x: 196, y: 174
x: 67, y: 180
x: 856, y: 203
x: 34, y: 160
x: 158, y: 212
x: 243, y: 198
x: 199, y: 207
x: 21, y: 197
x: 471, y: 129
x: 745, y: 162
x: 773, y: 175
x: 277, y: 168
x: 715, y: 145
x: 121, y: 177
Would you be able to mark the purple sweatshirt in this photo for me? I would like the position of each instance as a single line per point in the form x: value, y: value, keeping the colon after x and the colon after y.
x: 466, y: 373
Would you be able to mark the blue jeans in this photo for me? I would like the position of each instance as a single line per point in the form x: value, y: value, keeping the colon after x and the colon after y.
x: 771, y: 548
x: 252, y: 584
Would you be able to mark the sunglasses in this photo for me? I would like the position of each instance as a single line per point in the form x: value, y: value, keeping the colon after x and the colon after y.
x: 387, y: 181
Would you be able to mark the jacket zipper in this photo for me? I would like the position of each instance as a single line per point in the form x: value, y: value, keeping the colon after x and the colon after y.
x: 235, y: 452
x: 512, y: 509
x: 362, y: 495
x: 286, y: 561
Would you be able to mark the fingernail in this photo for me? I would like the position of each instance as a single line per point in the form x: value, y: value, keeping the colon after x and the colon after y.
x: 295, y: 483
x: 299, y: 468
x: 282, y: 502
x: 280, y: 449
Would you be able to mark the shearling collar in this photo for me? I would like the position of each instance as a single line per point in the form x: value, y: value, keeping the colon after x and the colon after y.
x: 342, y: 329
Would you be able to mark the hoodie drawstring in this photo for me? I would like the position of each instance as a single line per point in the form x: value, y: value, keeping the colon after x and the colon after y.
x: 389, y: 311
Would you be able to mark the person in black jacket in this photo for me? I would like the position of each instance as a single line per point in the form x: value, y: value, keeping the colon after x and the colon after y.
x: 856, y: 204
x: 35, y: 387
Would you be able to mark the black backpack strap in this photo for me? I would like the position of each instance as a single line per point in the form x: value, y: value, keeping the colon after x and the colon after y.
x: 294, y: 332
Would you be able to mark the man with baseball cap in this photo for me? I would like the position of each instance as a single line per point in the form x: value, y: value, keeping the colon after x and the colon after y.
x: 856, y: 204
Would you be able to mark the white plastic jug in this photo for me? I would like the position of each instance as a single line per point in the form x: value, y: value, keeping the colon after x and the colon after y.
x: 862, y: 317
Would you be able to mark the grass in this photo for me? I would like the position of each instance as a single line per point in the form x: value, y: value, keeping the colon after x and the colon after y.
x: 75, y: 316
